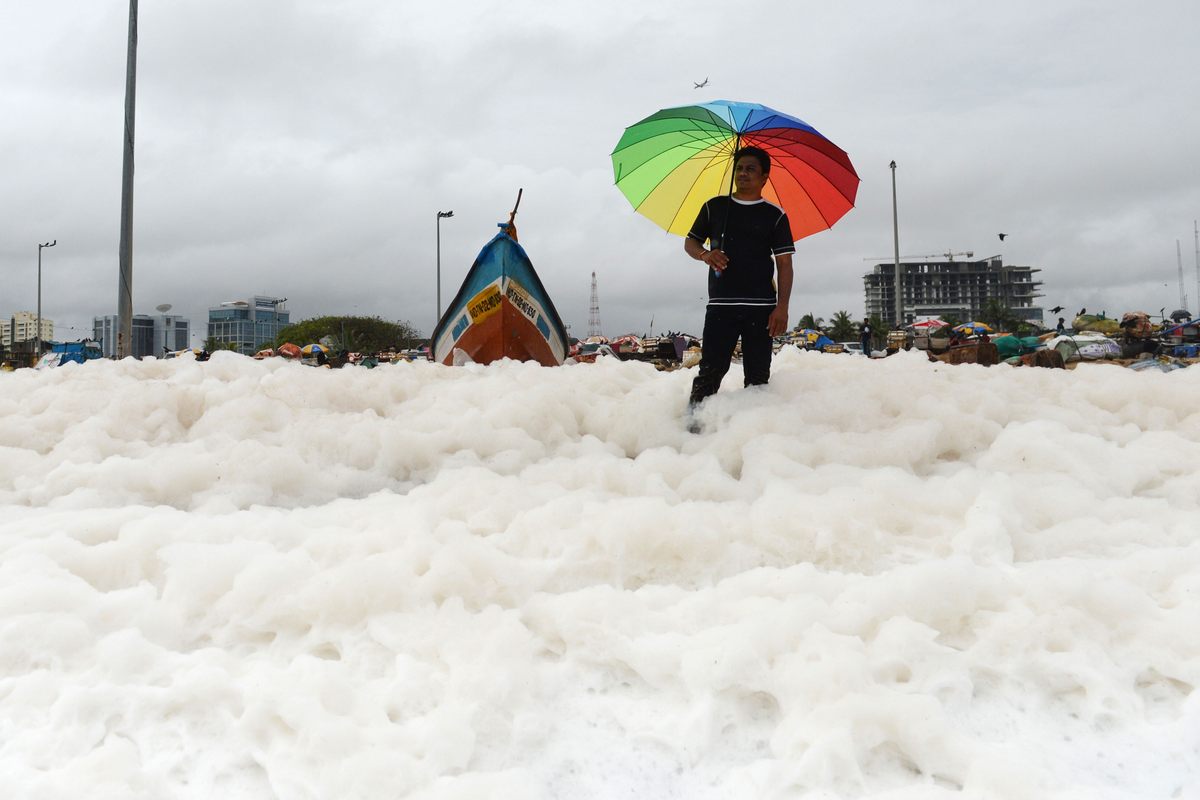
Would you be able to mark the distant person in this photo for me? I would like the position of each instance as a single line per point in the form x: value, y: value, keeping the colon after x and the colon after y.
x: 751, y: 241
x: 865, y: 333
x: 1061, y: 327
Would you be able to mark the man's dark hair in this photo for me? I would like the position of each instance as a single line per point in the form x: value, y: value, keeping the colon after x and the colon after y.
x: 758, y: 154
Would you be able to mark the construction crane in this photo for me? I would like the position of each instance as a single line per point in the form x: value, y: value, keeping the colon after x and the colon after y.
x: 947, y: 256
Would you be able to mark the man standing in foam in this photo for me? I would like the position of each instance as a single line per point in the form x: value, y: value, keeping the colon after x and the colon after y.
x: 750, y: 239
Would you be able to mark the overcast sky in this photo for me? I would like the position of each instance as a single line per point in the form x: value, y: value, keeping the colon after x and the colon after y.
x: 302, y: 149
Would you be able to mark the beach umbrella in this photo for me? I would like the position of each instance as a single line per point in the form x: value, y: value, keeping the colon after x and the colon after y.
x: 809, y: 337
x: 973, y: 328
x: 927, y: 325
x: 670, y: 163
x: 289, y: 350
x: 313, y: 349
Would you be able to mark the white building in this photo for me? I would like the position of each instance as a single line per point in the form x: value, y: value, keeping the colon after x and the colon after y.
x: 151, y: 334
x: 22, y: 326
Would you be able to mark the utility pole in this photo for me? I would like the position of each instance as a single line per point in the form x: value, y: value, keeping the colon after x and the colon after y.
x: 125, y: 252
x: 38, y: 332
x: 440, y: 216
x: 896, y: 252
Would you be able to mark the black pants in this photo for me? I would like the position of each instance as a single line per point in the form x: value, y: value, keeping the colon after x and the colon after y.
x: 722, y: 327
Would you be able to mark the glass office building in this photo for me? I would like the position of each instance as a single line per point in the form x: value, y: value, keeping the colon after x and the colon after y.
x: 248, y: 325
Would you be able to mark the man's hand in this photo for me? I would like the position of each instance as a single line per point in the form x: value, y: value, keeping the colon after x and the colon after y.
x: 716, y: 259
x: 777, y: 322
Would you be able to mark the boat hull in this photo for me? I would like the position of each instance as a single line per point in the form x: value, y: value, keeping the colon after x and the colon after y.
x: 501, y: 311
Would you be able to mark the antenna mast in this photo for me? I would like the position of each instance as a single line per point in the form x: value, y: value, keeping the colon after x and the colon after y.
x: 1182, y: 293
x: 594, y: 311
x: 1196, y: 232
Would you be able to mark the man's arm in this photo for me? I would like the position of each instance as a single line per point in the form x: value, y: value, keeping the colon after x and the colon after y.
x: 778, y: 321
x: 713, y: 258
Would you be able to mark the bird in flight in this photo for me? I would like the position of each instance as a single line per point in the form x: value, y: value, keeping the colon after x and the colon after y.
x: 1002, y: 235
x: 1056, y: 309
x: 701, y: 84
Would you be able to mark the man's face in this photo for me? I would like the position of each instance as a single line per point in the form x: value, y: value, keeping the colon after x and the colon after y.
x: 748, y: 175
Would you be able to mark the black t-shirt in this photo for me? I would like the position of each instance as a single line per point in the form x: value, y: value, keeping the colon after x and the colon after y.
x: 753, y: 233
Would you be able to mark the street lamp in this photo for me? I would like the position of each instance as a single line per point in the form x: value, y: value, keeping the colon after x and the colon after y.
x: 275, y: 322
x: 896, y: 243
x: 38, y: 334
x: 440, y: 215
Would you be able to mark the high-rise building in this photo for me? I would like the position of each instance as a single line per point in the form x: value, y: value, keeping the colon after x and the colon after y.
x: 22, y: 325
x: 152, y: 334
x: 249, y: 325
x: 959, y: 289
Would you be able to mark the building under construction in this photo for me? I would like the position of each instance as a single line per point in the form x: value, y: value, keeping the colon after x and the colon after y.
x: 960, y: 289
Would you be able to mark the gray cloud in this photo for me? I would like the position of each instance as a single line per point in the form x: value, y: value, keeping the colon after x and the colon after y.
x: 303, y: 148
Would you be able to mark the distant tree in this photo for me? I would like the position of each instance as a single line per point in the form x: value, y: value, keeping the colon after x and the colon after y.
x: 213, y: 344
x: 1000, y: 316
x: 356, y: 334
x: 843, y: 328
x: 810, y: 322
x: 878, y: 331
x: 950, y: 319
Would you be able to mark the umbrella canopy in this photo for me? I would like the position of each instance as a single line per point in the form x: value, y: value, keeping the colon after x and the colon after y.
x: 928, y: 325
x: 809, y: 337
x: 973, y: 328
x: 289, y: 350
x: 313, y: 349
x: 673, y: 161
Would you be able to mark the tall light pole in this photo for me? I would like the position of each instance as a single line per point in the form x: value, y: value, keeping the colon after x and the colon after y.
x: 38, y: 333
x: 440, y: 216
x: 896, y: 252
x: 275, y: 323
x: 125, y: 248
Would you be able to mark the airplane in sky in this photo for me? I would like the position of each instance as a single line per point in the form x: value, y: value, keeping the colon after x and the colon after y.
x: 702, y: 84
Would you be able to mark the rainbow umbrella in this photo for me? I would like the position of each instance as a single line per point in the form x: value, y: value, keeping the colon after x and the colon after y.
x: 671, y: 162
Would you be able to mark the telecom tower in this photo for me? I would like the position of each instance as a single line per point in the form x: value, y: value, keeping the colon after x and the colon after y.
x: 1182, y: 293
x: 594, y: 312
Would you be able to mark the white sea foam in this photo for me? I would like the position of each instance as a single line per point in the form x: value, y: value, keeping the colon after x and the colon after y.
x: 890, y: 579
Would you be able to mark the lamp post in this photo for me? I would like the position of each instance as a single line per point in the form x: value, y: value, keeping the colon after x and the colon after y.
x: 896, y: 244
x: 440, y: 216
x: 38, y: 332
x: 124, y: 337
x: 275, y: 322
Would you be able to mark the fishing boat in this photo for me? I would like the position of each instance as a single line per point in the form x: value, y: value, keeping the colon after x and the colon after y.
x: 502, y: 310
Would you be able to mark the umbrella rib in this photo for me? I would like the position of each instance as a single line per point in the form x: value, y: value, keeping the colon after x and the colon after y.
x: 708, y: 143
x: 707, y: 140
x: 678, y: 211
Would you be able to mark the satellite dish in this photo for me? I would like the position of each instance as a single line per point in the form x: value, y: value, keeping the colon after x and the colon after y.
x: 164, y: 308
